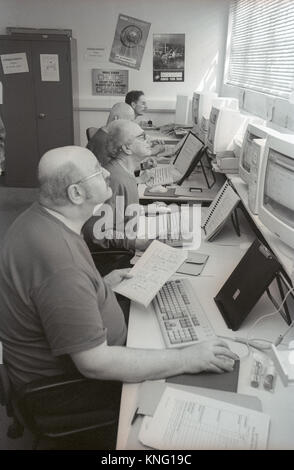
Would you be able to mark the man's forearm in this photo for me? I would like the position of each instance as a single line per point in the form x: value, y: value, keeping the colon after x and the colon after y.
x: 132, y: 365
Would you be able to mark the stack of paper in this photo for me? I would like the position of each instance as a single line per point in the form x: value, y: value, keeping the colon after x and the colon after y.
x: 185, y: 421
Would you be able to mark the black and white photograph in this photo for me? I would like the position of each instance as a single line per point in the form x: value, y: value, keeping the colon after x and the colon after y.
x: 146, y: 231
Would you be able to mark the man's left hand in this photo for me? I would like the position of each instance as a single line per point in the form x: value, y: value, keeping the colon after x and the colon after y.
x: 116, y: 276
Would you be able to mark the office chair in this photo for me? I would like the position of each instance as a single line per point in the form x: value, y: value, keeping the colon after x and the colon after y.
x: 90, y: 132
x: 51, y: 426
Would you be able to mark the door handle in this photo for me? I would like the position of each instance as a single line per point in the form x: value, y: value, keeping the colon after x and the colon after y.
x: 42, y: 116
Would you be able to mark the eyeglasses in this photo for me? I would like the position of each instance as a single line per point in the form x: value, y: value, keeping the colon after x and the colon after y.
x: 86, y: 178
x: 142, y: 136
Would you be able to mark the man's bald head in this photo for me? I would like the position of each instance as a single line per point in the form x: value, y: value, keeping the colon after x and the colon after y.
x: 61, y: 167
x: 121, y: 132
x: 121, y: 111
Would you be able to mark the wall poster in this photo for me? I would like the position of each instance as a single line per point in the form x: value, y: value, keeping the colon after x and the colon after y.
x: 129, y: 41
x: 168, y: 57
x: 110, y: 82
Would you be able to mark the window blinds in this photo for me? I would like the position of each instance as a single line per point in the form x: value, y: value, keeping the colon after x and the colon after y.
x: 262, y: 46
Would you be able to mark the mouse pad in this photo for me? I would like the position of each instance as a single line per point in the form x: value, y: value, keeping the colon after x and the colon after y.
x: 169, y: 193
x: 228, y: 381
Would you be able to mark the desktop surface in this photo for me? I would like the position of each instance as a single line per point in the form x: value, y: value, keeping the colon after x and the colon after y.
x: 224, y: 255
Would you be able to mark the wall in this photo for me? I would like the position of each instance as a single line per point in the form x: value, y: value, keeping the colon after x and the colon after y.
x: 93, y: 23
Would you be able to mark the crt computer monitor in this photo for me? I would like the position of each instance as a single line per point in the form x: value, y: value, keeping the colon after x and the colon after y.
x: 276, y: 197
x: 253, y: 131
x: 201, y: 105
x: 224, y: 124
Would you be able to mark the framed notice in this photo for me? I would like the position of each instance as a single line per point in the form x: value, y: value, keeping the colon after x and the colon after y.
x: 110, y: 82
x: 129, y: 41
x: 168, y: 57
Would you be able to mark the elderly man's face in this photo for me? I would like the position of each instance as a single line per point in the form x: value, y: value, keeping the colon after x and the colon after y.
x: 140, y: 106
x: 96, y: 183
x: 140, y: 146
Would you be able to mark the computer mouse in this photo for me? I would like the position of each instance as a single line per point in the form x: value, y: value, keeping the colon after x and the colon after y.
x: 158, y: 189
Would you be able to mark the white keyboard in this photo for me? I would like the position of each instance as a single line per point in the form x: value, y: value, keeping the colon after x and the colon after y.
x: 181, y: 318
x: 162, y: 175
x: 174, y: 227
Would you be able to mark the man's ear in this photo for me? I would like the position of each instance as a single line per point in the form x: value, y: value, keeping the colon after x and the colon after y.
x: 133, y: 104
x: 126, y: 149
x: 75, y: 194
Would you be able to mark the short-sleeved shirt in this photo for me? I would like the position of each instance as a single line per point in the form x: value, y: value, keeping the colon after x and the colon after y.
x: 124, y: 195
x: 53, y: 301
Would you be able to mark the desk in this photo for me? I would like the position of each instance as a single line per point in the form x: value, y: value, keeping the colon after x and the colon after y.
x: 166, y: 138
x: 205, y: 197
x: 224, y: 255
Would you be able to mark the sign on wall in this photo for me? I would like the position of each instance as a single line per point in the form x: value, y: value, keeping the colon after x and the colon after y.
x: 110, y: 82
x: 49, y: 67
x: 129, y: 41
x: 14, y: 63
x: 168, y: 57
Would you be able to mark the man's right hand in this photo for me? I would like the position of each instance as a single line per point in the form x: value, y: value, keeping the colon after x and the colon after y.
x: 210, y: 356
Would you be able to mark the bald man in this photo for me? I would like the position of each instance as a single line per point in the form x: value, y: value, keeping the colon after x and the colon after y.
x: 97, y: 143
x: 58, y: 315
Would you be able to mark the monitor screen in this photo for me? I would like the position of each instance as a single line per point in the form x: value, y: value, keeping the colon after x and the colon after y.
x: 278, y: 196
x: 195, y: 108
x: 246, y: 152
x: 187, y: 153
x: 211, y: 128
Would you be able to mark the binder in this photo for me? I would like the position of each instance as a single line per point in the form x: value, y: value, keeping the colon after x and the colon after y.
x: 220, y: 209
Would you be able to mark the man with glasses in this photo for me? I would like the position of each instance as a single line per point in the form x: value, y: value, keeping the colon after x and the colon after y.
x: 127, y: 146
x: 57, y: 313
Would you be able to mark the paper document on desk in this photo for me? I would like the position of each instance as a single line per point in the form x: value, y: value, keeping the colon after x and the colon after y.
x: 184, y: 421
x: 153, y: 269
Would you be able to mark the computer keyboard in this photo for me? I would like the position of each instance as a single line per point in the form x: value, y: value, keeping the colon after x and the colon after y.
x: 174, y: 227
x: 162, y: 175
x: 181, y: 318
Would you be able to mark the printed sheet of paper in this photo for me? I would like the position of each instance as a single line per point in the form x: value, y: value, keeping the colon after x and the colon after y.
x: 49, y: 68
x: 14, y: 63
x: 153, y: 269
x: 183, y: 420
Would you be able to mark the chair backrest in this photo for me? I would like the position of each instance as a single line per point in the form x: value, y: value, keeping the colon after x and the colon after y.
x: 90, y: 132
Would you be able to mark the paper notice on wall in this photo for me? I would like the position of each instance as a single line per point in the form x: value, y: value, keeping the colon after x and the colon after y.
x: 49, y: 68
x: 14, y: 63
x: 95, y: 54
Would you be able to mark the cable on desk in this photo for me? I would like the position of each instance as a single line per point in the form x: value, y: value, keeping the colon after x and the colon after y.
x: 280, y: 337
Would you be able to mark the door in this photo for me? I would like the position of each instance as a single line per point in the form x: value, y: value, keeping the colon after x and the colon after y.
x: 37, y: 108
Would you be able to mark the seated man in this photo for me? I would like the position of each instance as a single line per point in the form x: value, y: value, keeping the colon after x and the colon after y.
x: 136, y: 99
x: 97, y: 143
x: 127, y: 146
x: 58, y: 314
